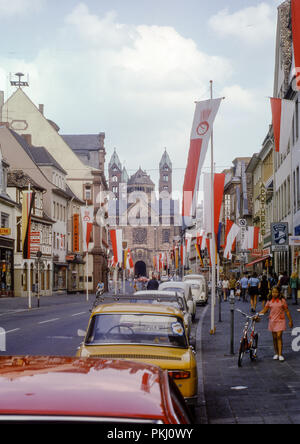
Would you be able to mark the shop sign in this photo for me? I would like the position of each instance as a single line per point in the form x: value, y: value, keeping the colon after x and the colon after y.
x: 35, y: 237
x: 5, y: 231
x: 294, y: 240
x: 279, y: 236
x: 262, y: 209
x: 76, y: 232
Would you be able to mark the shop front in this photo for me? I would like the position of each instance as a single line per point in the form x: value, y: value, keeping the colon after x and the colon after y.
x: 6, y: 267
x: 76, y: 272
x: 60, y: 276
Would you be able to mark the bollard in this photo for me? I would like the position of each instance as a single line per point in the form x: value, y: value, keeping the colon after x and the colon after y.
x: 232, y: 300
x: 220, y: 302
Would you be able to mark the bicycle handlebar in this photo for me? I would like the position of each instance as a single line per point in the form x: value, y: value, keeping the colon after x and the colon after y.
x: 246, y: 315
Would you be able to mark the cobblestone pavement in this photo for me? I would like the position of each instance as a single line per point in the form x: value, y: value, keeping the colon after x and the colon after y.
x: 262, y: 392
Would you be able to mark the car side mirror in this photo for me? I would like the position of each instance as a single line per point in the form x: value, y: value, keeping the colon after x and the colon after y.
x: 192, y: 342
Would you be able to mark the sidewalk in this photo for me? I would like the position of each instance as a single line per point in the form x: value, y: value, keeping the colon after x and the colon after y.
x: 262, y: 392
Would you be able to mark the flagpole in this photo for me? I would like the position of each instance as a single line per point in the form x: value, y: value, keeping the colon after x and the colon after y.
x: 87, y: 266
x: 28, y: 260
x: 213, y: 252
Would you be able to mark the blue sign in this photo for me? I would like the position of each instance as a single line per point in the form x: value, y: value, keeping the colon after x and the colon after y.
x: 280, y: 233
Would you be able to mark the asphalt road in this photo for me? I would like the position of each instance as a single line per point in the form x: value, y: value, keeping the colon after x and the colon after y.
x: 48, y: 330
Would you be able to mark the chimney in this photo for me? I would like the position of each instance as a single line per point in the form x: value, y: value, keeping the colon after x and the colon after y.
x: 27, y: 137
x: 41, y: 108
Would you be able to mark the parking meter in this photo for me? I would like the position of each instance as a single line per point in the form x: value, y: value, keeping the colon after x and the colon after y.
x: 232, y: 303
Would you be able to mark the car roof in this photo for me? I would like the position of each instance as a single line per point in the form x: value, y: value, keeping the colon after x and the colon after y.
x: 154, y: 292
x: 136, y: 308
x: 47, y: 385
x: 173, y: 284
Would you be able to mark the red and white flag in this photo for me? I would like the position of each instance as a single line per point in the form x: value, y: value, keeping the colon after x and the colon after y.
x: 129, y: 261
x: 116, y: 241
x: 233, y: 230
x: 295, y: 14
x: 87, y: 217
x: 251, y: 238
x: 204, y: 117
x: 282, y: 119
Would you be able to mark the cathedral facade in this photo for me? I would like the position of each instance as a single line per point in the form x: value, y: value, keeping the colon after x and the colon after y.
x: 149, y: 217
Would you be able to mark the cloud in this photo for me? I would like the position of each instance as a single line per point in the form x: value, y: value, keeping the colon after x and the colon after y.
x: 253, y: 25
x: 20, y: 7
x: 138, y: 84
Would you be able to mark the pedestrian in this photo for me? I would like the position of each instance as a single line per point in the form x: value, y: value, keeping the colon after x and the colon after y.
x: 153, y: 283
x: 264, y: 289
x: 225, y: 287
x: 232, y: 284
x: 238, y: 289
x: 294, y: 287
x: 284, y: 283
x: 253, y: 291
x: 244, y: 287
x: 273, y: 280
x: 277, y: 306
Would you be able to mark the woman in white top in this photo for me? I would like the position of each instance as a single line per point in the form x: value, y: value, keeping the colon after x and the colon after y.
x: 225, y: 287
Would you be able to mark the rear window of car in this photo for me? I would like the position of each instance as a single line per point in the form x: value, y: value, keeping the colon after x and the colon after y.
x: 178, y: 290
x: 136, y: 328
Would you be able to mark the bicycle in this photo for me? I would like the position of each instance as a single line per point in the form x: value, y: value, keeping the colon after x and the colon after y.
x: 248, y: 344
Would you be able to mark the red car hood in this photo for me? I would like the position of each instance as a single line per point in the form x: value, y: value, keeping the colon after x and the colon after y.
x: 79, y: 386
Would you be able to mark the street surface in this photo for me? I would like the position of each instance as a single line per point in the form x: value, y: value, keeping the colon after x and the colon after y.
x: 265, y: 391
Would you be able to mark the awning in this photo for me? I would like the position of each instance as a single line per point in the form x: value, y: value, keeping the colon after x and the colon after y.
x: 263, y: 258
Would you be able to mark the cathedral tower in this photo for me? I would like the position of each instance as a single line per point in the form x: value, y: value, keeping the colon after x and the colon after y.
x: 165, y: 173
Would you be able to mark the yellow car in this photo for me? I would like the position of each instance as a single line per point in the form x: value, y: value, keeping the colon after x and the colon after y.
x: 149, y: 333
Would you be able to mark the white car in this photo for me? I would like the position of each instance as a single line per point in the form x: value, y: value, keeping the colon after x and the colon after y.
x: 183, y: 288
x: 198, y: 286
x: 171, y: 298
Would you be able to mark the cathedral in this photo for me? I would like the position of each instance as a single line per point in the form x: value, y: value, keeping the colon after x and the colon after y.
x: 149, y: 218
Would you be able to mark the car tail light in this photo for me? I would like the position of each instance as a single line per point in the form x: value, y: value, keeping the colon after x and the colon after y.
x: 177, y: 374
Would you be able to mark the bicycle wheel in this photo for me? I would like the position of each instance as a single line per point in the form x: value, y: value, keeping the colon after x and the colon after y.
x: 242, y: 351
x: 253, y: 349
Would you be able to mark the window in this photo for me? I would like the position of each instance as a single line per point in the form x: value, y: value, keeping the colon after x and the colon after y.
x: 4, y: 220
x: 87, y: 192
x: 166, y: 178
x: 115, y: 179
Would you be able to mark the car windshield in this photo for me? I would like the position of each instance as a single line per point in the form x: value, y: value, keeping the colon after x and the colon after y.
x: 132, y: 328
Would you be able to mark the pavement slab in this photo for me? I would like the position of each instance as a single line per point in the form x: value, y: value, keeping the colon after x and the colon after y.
x: 261, y: 392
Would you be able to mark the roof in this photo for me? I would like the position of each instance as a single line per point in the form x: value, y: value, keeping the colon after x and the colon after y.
x: 42, y: 157
x: 137, y: 308
x: 84, y: 142
x: 18, y: 179
x: 80, y: 387
x: 165, y: 160
x: 114, y: 160
x: 140, y: 178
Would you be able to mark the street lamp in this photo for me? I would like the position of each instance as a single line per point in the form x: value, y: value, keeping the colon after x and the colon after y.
x: 38, y: 262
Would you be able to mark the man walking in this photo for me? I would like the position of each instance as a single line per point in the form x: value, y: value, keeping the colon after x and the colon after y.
x: 244, y: 286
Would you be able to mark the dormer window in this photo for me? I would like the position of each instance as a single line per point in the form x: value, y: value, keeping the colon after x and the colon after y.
x: 87, y: 192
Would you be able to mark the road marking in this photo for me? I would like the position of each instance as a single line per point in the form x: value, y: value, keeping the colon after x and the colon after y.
x: 10, y: 331
x: 77, y: 314
x: 49, y: 320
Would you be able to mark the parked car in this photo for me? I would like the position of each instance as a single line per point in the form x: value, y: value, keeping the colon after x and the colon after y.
x: 182, y: 288
x: 53, y: 389
x: 154, y: 334
x: 198, y: 286
x: 173, y: 299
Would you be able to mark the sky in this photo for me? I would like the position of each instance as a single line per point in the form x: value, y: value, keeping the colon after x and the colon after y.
x: 133, y: 69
